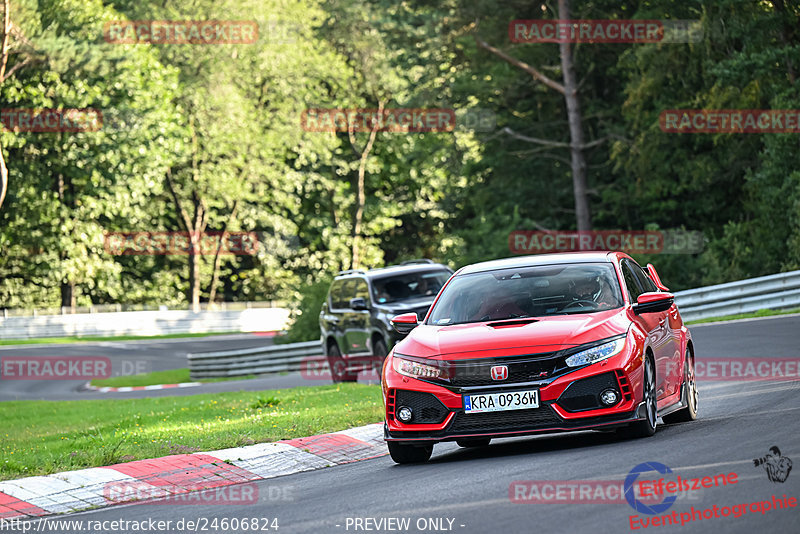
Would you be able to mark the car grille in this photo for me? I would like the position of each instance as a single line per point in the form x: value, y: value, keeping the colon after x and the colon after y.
x: 425, y: 407
x: 520, y: 369
x: 585, y: 394
x: 543, y: 416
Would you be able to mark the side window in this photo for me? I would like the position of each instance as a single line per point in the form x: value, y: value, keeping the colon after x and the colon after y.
x: 341, y: 293
x: 630, y: 282
x: 644, y: 280
x: 362, y: 290
x: 335, y: 296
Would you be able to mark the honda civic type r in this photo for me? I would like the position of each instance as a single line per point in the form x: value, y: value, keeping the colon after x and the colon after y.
x: 534, y: 344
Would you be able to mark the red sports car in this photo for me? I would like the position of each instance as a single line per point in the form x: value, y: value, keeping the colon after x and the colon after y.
x: 534, y: 344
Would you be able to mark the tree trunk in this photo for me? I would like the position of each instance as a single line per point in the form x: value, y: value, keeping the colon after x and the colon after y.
x: 194, y: 271
x: 212, y: 290
x: 3, y: 178
x: 3, y: 65
x: 582, y: 214
x: 68, y: 295
x: 355, y: 258
x: 786, y: 31
x: 195, y: 230
x: 569, y: 89
x: 67, y: 285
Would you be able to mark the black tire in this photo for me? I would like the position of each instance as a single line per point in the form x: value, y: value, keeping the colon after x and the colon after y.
x: 338, y: 366
x: 646, y: 427
x: 409, y: 454
x: 379, y: 351
x: 472, y: 443
x: 684, y: 415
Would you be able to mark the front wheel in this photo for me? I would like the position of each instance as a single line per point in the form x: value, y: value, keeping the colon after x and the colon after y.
x: 338, y: 366
x: 409, y: 454
x: 684, y: 415
x: 646, y: 427
x: 379, y: 351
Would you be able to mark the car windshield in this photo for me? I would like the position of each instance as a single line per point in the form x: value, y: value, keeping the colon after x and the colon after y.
x: 408, y: 286
x: 528, y: 292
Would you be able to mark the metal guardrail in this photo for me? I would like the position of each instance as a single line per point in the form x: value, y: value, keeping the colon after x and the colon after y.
x: 144, y: 323
x: 255, y: 361
x: 118, y: 308
x: 775, y: 291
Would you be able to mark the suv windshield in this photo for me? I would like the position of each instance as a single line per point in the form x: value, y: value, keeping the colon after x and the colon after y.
x: 528, y: 292
x: 415, y: 285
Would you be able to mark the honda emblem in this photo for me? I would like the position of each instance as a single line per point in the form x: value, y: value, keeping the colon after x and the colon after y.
x: 499, y: 372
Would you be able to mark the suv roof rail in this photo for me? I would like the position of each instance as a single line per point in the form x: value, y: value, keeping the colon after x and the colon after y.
x: 411, y: 262
x: 351, y: 271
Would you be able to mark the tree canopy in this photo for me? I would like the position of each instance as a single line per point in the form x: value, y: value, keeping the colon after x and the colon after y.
x: 209, y: 138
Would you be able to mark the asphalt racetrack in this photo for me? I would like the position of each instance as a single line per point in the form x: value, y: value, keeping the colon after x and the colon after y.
x: 468, y: 490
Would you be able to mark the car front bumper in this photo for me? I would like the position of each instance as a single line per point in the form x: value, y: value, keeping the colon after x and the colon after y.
x: 563, y: 405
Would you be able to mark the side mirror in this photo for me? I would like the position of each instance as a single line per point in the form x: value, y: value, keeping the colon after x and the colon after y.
x: 358, y: 304
x: 653, y: 302
x: 405, y: 323
x: 654, y: 277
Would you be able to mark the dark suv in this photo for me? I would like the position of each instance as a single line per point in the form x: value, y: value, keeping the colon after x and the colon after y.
x: 356, y: 332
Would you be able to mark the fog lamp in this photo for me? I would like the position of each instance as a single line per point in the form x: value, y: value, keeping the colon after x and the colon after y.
x: 609, y: 397
x: 404, y: 414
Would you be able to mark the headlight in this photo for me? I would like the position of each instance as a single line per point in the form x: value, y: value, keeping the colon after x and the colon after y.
x: 596, y: 354
x: 417, y: 370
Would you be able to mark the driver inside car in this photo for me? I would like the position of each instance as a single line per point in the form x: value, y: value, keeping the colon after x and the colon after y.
x: 590, y: 289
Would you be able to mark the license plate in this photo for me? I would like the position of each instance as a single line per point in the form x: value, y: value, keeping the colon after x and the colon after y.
x: 498, y: 402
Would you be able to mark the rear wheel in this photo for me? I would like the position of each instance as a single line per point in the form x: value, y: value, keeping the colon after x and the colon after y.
x: 647, y: 426
x: 339, y: 372
x: 409, y: 454
x: 471, y: 443
x: 689, y: 413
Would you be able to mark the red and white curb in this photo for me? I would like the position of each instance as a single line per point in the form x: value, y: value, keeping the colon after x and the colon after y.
x: 73, y: 491
x: 90, y: 387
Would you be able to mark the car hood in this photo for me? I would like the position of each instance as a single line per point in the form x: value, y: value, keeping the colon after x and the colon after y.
x: 493, y: 339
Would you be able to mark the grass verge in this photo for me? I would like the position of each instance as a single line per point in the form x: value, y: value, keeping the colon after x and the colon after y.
x: 44, y: 437
x: 172, y: 376
x: 759, y: 313
x: 49, y: 340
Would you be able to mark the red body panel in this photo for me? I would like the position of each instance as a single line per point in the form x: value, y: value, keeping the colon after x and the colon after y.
x: 662, y: 334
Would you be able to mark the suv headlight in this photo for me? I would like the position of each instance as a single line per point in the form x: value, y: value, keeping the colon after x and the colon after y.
x: 416, y: 369
x: 596, y: 354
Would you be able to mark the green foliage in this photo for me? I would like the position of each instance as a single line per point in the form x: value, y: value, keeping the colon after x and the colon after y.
x: 222, y: 123
x: 304, y: 325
